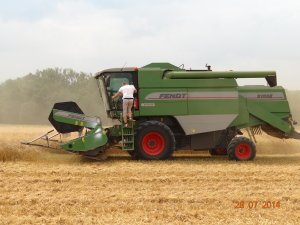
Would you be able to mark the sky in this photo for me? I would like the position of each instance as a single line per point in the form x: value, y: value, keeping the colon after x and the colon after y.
x: 92, y: 35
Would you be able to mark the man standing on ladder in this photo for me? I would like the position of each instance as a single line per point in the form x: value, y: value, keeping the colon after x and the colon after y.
x: 127, y: 91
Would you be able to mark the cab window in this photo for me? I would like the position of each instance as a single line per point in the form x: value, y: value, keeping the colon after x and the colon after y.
x: 113, y: 81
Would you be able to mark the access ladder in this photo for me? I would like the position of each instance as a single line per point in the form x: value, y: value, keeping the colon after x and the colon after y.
x: 128, y: 136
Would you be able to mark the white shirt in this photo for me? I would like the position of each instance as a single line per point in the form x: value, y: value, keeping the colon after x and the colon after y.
x: 127, y: 91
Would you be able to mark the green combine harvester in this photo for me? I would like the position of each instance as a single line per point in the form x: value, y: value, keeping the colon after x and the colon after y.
x: 178, y: 109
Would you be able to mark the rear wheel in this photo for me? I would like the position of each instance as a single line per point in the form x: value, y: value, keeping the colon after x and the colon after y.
x: 154, y: 140
x: 241, y: 149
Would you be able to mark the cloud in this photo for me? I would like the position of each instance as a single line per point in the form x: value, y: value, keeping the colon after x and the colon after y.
x: 93, y: 35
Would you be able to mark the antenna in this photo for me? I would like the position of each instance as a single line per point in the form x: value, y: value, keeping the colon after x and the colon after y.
x: 208, y: 67
x: 124, y: 66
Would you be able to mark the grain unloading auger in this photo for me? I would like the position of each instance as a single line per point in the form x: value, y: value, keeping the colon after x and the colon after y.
x: 181, y: 109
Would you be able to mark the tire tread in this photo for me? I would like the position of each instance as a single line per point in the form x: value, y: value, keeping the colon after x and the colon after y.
x: 237, y: 140
x: 161, y: 126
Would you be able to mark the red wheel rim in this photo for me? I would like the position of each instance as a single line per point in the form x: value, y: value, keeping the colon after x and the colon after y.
x: 153, y: 143
x: 243, y: 151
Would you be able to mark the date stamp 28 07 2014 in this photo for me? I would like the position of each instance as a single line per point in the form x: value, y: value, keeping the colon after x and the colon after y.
x: 256, y: 204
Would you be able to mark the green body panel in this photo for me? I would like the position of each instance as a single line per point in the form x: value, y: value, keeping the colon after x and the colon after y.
x: 93, y: 139
x: 75, y: 119
x: 268, y: 117
x: 156, y: 101
x: 213, y: 107
x: 153, y: 78
x: 218, y: 74
x: 212, y: 101
x: 260, y: 104
x: 252, y: 105
x: 243, y: 114
x: 188, y: 101
x: 162, y: 65
x: 261, y: 88
x: 211, y: 93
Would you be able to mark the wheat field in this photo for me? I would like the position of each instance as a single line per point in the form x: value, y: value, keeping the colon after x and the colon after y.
x: 41, y: 186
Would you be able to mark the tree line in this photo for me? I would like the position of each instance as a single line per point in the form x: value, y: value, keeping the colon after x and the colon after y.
x: 29, y: 100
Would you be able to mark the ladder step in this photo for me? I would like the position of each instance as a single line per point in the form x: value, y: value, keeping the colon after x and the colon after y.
x: 128, y: 136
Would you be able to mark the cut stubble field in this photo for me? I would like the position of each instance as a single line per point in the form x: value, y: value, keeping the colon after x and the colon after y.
x: 40, y: 186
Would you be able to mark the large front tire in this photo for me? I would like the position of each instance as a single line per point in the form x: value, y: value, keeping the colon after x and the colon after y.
x: 154, y: 140
x: 241, y: 149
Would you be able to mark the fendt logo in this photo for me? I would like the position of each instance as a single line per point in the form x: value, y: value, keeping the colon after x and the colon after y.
x: 192, y: 95
x: 167, y: 96
x: 172, y: 96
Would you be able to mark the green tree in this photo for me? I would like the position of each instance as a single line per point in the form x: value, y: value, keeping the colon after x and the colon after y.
x: 29, y: 100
